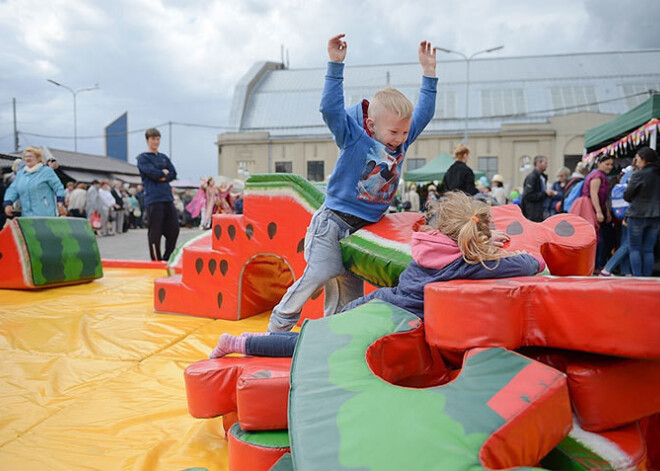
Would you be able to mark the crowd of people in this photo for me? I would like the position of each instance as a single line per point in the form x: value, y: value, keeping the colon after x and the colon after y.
x: 36, y: 187
x: 379, y: 132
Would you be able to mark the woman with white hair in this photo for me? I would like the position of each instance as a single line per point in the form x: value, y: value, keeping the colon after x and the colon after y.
x: 40, y: 191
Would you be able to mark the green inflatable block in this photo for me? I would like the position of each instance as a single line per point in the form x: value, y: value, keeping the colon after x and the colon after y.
x: 57, y: 251
x: 342, y: 416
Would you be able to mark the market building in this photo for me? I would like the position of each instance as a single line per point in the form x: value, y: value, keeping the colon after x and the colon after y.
x: 518, y: 107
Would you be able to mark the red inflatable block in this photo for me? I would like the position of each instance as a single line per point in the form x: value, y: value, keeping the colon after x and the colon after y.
x: 623, y: 448
x: 255, y: 387
x: 616, y: 317
x: 606, y: 392
x: 566, y: 242
x: 257, y: 451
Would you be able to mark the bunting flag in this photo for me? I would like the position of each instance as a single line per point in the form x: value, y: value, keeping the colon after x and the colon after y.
x: 639, y: 136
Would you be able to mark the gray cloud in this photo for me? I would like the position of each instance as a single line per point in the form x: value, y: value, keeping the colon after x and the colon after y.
x: 164, y: 60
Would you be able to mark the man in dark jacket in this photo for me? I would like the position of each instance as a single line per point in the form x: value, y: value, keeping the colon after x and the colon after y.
x: 459, y: 176
x: 157, y: 172
x: 535, y: 190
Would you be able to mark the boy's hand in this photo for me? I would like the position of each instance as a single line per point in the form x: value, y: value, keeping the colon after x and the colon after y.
x: 427, y: 58
x: 337, y: 48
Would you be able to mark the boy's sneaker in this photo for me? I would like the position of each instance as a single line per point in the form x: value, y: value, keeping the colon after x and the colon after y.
x: 604, y: 273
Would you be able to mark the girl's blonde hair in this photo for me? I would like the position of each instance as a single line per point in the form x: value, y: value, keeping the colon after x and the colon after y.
x: 467, y: 222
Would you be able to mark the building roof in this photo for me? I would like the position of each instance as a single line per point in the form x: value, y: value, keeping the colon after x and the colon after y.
x: 502, y: 90
x: 84, y: 167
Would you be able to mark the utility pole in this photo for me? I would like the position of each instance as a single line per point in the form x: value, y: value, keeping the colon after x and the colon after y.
x: 15, y: 129
x: 170, y: 138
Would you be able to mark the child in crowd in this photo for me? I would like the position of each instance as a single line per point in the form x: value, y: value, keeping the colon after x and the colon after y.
x: 456, y: 243
x: 373, y: 139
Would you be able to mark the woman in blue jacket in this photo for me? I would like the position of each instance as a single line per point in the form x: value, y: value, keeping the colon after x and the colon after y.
x: 456, y: 244
x: 37, y: 186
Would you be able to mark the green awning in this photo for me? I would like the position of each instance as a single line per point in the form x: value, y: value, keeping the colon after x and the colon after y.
x: 435, y: 170
x: 611, y: 131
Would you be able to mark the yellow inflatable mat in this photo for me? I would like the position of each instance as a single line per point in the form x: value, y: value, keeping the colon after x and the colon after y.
x: 92, y: 379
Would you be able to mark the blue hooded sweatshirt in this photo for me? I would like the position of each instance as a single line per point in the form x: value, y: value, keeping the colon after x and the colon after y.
x: 437, y: 258
x: 366, y: 176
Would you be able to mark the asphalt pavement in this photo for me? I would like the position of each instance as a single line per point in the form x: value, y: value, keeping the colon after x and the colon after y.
x: 133, y: 245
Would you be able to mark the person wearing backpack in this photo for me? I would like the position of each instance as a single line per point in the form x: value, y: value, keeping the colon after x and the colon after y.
x: 575, y: 180
x: 621, y: 257
x: 643, y: 215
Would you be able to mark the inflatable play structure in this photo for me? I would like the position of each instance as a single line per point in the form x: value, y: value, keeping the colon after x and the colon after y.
x: 558, y: 371
x: 44, y: 252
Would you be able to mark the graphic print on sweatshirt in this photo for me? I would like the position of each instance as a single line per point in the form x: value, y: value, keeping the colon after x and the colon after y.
x: 380, y: 176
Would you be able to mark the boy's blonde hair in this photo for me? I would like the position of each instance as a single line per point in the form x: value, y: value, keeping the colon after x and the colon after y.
x: 460, y: 150
x: 466, y: 221
x: 393, y: 100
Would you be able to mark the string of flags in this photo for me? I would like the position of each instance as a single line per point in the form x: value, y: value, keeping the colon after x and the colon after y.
x: 623, y: 146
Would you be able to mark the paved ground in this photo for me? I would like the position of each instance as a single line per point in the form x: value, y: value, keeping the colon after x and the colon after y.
x: 132, y: 245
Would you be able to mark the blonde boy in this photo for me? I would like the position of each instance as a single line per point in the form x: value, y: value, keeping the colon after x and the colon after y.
x: 373, y: 139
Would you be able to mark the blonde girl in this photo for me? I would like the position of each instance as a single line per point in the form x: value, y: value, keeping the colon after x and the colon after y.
x: 456, y: 243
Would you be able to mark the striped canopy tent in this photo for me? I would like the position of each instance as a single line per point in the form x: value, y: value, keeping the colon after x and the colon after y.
x: 435, y: 170
x: 623, y: 135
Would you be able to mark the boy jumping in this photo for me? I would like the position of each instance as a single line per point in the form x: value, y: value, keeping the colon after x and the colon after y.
x: 373, y: 139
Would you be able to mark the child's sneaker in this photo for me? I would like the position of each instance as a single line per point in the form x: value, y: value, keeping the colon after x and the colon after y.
x: 604, y: 273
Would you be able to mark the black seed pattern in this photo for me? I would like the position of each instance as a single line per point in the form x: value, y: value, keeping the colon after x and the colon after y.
x: 217, y: 231
x: 317, y: 293
x: 224, y: 266
x: 199, y: 265
x: 161, y: 295
x: 231, y: 230
x: 219, y: 300
x: 301, y: 246
x: 249, y: 231
x: 272, y: 230
x: 212, y: 266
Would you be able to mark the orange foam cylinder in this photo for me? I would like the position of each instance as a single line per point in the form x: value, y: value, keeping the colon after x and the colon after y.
x: 255, y: 387
x: 606, y: 392
x: 614, y: 317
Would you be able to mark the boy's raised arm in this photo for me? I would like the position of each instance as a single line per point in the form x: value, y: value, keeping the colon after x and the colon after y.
x: 337, y: 48
x: 426, y: 58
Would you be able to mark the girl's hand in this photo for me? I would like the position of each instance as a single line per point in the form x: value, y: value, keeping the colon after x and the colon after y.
x: 499, y: 238
x: 9, y: 211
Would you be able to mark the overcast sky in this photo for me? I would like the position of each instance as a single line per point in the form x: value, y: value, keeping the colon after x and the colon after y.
x: 179, y: 61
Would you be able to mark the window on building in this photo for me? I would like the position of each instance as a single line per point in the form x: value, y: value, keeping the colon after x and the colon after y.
x: 488, y: 165
x: 632, y: 91
x: 503, y: 101
x: 445, y: 105
x: 413, y: 164
x: 283, y: 167
x: 315, y: 171
x: 574, y: 99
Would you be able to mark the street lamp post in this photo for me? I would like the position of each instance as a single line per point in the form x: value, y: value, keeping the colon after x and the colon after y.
x: 467, y: 78
x: 75, y: 119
